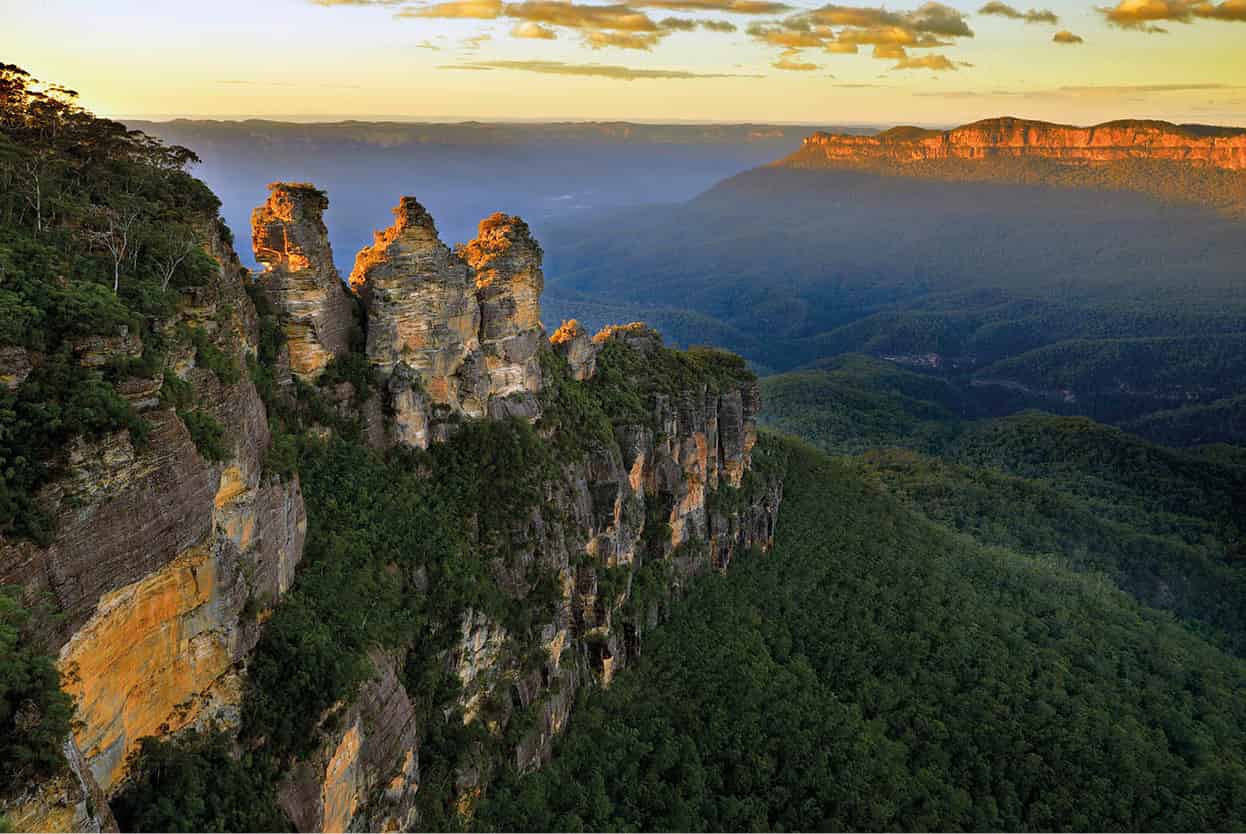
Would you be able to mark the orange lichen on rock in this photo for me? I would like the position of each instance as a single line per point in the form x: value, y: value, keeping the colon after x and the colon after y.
x: 340, y: 793
x: 131, y: 667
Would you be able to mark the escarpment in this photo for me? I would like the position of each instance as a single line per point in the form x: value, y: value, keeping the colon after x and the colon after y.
x: 581, y: 483
x: 1020, y: 138
x: 168, y: 549
x: 651, y: 482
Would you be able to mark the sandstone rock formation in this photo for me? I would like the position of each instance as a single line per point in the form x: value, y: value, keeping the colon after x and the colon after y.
x: 509, y: 281
x: 453, y: 335
x: 162, y: 559
x: 290, y: 239
x: 572, y: 343
x: 1021, y: 138
x: 165, y: 564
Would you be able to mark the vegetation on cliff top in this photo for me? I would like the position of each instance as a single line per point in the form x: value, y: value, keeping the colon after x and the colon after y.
x: 99, y: 229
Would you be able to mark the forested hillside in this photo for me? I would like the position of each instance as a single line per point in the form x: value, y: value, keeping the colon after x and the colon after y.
x: 875, y: 671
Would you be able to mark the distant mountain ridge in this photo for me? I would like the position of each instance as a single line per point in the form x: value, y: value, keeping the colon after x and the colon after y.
x: 1009, y: 137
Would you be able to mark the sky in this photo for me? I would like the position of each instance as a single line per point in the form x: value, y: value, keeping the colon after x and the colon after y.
x: 777, y: 61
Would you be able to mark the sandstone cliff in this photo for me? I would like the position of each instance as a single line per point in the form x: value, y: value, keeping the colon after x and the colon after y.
x: 290, y: 239
x: 166, y: 563
x: 453, y: 335
x: 663, y: 492
x: 1021, y: 138
x: 163, y: 560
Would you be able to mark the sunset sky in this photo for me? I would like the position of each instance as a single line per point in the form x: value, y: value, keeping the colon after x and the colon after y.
x: 661, y: 60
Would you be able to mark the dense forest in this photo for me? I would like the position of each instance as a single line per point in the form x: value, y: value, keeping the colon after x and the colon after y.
x: 878, y: 672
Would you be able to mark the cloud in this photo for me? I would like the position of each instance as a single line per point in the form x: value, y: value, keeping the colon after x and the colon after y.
x: 622, y: 40
x: 732, y: 6
x: 616, y: 17
x: 535, y: 31
x: 789, y: 37
x: 939, y: 19
x: 684, y: 24
x: 1142, y: 15
x: 789, y: 61
x: 474, y: 9
x: 1065, y: 36
x: 475, y: 41
x: 594, y: 70
x: 889, y: 52
x: 936, y: 63
x: 999, y: 9
x: 838, y: 48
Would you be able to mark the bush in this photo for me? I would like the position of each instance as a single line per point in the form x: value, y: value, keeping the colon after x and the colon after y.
x: 34, y: 713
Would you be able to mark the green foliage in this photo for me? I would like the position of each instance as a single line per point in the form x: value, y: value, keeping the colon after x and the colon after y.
x: 58, y: 401
x: 34, y: 713
x: 353, y: 368
x: 195, y: 783
x: 68, y: 183
x: 207, y: 433
x: 397, y: 548
x: 208, y: 355
x: 875, y: 672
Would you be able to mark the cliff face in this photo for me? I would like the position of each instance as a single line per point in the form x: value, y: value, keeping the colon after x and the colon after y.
x: 166, y: 564
x: 663, y: 495
x: 163, y: 561
x: 452, y: 335
x: 290, y: 239
x: 1019, y: 138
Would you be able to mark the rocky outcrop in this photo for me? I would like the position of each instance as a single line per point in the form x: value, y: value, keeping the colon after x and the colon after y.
x: 291, y: 241
x: 1110, y: 142
x: 71, y: 801
x: 507, y: 266
x: 572, y: 343
x: 452, y: 335
x: 658, y: 498
x: 163, y: 561
x: 368, y: 777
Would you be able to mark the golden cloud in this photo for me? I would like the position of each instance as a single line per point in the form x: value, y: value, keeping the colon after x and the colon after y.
x: 615, y: 17
x: 1144, y: 14
x: 891, y: 33
x: 733, y: 6
x: 1065, y: 36
x: 622, y: 40
x: 615, y: 72
x: 936, y: 63
x: 535, y: 31
x: 684, y: 24
x: 889, y: 52
x: 995, y: 7
x: 475, y: 9
x: 788, y: 61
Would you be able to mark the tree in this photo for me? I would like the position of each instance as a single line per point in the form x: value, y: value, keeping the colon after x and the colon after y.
x: 114, y: 228
x: 180, y: 245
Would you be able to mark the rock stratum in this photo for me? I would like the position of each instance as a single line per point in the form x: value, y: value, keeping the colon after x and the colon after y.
x: 165, y: 565
x: 1201, y: 145
x: 1197, y: 164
